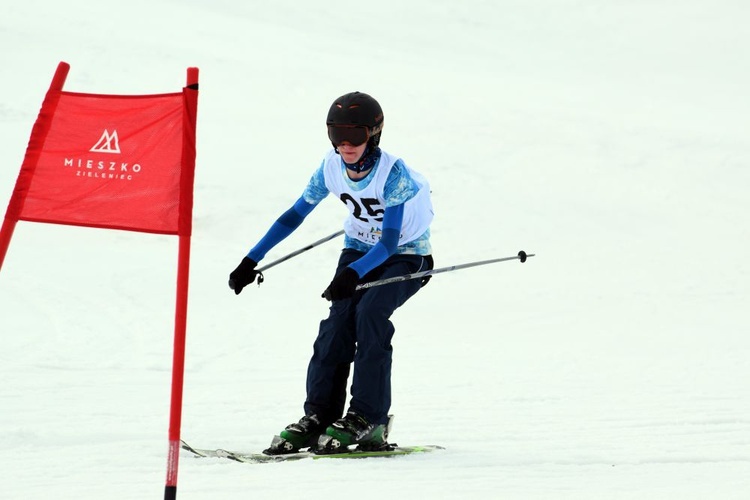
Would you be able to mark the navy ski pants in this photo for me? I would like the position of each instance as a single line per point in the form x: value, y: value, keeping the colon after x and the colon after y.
x: 359, y: 330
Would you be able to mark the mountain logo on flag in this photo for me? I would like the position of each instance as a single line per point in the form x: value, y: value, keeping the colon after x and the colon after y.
x: 107, y: 143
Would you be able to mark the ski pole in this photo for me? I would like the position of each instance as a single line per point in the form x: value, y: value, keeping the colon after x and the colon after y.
x: 294, y: 254
x: 522, y: 256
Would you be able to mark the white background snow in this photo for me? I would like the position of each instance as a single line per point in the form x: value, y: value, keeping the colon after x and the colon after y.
x: 608, y: 137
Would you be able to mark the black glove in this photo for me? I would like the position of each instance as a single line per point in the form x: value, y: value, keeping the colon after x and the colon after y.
x: 430, y: 266
x: 342, y: 286
x: 243, y: 275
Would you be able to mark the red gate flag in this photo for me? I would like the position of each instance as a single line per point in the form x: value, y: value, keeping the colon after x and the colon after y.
x: 116, y: 162
x: 108, y: 161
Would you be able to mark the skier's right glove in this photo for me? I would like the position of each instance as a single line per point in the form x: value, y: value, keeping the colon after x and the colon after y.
x: 243, y: 275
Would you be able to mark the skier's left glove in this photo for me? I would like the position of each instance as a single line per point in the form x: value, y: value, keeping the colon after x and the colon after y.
x: 430, y: 266
x: 342, y: 286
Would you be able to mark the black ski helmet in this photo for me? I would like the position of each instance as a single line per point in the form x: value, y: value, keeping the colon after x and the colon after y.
x: 356, y: 109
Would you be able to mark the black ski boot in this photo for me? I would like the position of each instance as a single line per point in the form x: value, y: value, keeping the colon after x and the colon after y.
x: 302, y: 434
x: 354, y: 429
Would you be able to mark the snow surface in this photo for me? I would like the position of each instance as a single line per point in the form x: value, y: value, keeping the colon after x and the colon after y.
x: 608, y: 137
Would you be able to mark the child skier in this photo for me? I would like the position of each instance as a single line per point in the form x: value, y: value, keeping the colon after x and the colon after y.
x: 386, y: 234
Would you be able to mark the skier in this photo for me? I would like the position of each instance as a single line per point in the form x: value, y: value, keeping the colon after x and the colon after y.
x: 386, y: 234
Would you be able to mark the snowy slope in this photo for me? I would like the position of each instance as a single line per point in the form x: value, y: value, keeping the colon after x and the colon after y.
x: 610, y: 138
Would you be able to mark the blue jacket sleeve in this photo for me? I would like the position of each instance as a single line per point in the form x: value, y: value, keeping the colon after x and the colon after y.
x: 283, y: 227
x: 392, y: 220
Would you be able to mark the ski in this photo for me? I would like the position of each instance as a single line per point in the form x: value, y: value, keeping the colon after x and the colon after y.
x: 261, y: 458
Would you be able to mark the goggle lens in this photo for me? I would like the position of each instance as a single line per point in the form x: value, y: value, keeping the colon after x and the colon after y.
x: 355, y: 136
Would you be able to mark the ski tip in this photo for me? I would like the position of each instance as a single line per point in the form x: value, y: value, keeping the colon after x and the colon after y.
x: 190, y: 449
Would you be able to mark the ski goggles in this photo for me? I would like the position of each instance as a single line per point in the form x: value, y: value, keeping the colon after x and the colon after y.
x: 355, y: 135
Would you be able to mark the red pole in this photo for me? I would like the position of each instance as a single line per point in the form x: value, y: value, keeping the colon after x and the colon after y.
x: 36, y: 143
x: 6, y: 233
x: 190, y: 94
